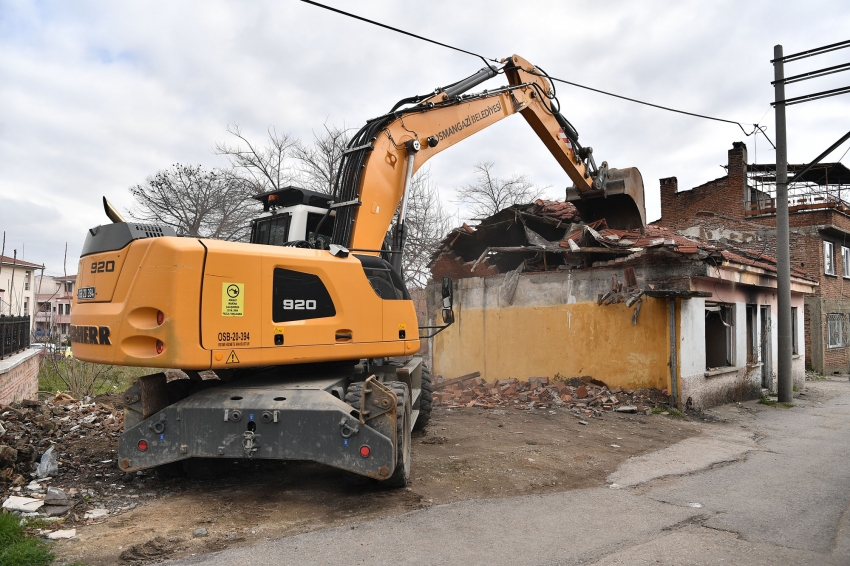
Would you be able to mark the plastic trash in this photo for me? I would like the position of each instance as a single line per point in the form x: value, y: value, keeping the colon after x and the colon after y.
x: 48, y: 466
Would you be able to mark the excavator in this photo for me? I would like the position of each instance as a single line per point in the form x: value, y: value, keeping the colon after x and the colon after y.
x: 300, y: 344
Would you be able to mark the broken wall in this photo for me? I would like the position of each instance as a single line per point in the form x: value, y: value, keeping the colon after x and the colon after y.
x: 702, y: 387
x: 552, y: 325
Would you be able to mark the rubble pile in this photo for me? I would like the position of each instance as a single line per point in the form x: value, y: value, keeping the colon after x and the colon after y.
x: 582, y: 395
x: 57, y: 460
x: 31, y: 428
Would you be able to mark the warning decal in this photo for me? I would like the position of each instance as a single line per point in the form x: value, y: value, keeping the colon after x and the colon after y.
x: 232, y: 299
x: 232, y: 359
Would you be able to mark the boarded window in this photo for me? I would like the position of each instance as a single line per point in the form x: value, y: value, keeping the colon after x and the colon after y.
x: 836, y: 330
x: 828, y: 258
x: 718, y: 336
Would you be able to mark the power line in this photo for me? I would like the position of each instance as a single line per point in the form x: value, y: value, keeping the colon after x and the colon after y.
x: 397, y: 30
x: 756, y: 127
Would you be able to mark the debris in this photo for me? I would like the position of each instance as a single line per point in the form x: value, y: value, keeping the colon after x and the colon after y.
x: 22, y: 504
x: 55, y: 510
x: 583, y: 423
x: 55, y: 496
x: 200, y: 532
x: 62, y: 533
x: 584, y: 395
x: 8, y: 455
x: 96, y: 514
x: 456, y: 380
x: 48, y: 465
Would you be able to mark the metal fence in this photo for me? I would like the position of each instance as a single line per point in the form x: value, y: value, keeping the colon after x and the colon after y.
x: 14, y: 334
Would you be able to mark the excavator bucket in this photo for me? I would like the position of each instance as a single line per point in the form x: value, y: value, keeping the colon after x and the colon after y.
x: 621, y: 203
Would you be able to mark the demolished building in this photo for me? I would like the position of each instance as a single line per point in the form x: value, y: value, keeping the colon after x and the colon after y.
x: 541, y: 293
x: 740, y: 208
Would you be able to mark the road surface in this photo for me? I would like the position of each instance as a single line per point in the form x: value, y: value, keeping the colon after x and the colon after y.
x: 766, y: 485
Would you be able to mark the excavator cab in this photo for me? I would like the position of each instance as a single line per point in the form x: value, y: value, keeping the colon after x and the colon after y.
x: 293, y: 215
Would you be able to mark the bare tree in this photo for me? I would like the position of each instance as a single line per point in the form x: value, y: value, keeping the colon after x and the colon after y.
x: 427, y: 224
x: 196, y: 202
x: 490, y: 194
x: 319, y: 162
x: 264, y: 168
x: 78, y: 377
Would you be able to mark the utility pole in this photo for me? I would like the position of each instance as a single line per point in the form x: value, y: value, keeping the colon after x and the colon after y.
x: 783, y: 244
x: 783, y: 239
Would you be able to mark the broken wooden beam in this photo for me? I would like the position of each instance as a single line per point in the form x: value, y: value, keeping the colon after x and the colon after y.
x: 443, y: 384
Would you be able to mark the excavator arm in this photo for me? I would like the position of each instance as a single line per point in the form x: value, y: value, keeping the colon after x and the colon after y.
x: 377, y: 168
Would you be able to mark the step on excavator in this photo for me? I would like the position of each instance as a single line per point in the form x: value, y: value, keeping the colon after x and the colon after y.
x: 300, y: 344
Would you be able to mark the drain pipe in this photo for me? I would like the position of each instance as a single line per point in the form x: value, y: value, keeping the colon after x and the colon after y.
x: 674, y: 358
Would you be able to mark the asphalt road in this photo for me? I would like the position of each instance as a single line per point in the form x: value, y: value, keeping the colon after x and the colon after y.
x: 771, y: 486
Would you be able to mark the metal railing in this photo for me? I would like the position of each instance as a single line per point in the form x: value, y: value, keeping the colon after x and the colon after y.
x: 14, y: 334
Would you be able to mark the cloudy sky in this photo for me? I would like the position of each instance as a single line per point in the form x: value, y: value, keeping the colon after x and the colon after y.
x: 95, y: 96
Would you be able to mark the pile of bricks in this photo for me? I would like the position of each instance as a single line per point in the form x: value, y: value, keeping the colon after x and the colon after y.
x: 579, y: 395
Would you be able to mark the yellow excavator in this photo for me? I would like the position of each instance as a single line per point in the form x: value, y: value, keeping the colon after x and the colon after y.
x: 302, y: 326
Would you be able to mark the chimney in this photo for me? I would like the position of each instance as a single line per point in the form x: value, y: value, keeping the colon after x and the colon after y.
x: 669, y: 188
x: 737, y: 175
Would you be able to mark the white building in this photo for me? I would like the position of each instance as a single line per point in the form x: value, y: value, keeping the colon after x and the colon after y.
x: 54, y: 294
x: 17, y: 287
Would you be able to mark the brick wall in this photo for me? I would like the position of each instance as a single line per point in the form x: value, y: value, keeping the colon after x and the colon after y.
x: 19, y: 377
x: 449, y: 264
x: 725, y: 195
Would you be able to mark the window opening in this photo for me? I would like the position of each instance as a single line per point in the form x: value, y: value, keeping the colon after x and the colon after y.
x: 828, y: 258
x: 845, y: 261
x: 752, y: 335
x: 794, y: 348
x: 836, y: 330
x: 718, y: 336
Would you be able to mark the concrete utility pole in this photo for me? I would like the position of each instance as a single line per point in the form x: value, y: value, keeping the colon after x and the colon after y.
x: 783, y: 252
x: 783, y: 241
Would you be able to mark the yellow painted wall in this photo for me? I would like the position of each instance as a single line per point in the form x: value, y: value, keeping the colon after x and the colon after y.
x: 571, y: 339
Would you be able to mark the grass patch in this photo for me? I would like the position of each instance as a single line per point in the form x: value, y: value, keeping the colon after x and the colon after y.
x: 773, y: 403
x: 115, y: 379
x: 18, y: 549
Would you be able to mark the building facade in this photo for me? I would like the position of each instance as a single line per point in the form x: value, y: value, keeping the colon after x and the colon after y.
x: 631, y: 310
x: 17, y: 287
x: 54, y: 296
x: 740, y: 209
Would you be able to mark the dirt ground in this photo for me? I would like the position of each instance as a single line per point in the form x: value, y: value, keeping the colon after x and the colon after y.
x: 465, y: 453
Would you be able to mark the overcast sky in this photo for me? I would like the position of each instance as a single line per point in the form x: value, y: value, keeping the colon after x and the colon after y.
x: 95, y: 96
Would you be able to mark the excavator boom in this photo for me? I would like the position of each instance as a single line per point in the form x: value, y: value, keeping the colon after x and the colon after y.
x: 377, y: 167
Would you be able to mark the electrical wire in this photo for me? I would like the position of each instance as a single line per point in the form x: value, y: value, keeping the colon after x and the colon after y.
x: 397, y: 30
x: 756, y: 127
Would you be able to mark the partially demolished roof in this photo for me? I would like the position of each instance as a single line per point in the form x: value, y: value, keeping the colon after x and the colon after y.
x: 549, y: 235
